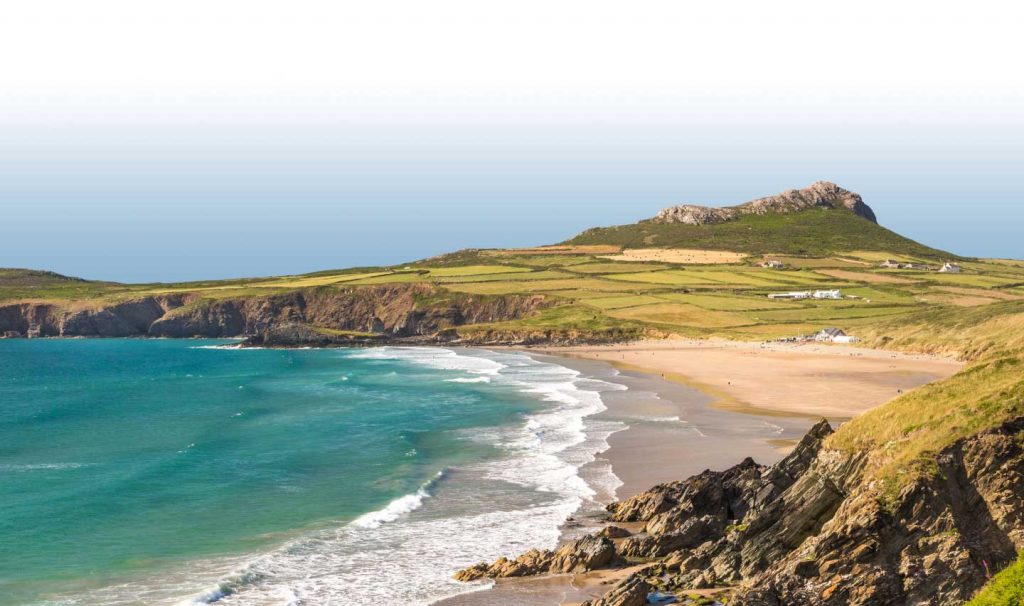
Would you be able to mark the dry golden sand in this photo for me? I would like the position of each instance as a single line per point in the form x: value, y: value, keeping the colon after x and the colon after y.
x: 811, y: 379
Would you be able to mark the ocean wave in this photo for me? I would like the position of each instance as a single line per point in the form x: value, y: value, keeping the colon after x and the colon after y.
x: 237, y: 345
x: 397, y: 508
x: 26, y: 467
x: 469, y: 380
x: 406, y: 552
x: 432, y: 357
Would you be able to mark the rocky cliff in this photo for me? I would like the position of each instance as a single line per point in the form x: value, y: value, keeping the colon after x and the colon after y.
x: 811, y: 531
x: 313, y: 316
x: 822, y: 194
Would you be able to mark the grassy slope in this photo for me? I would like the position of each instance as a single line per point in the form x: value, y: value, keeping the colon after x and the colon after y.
x: 1005, y: 589
x: 817, y: 232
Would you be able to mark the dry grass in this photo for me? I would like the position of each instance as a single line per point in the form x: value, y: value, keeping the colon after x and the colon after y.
x: 968, y: 333
x: 611, y: 268
x: 312, y: 281
x: 678, y: 255
x: 975, y: 280
x: 475, y: 270
x: 547, y: 274
x: 815, y: 262
x: 668, y: 278
x: 540, y: 286
x: 905, y: 435
x: 863, y: 276
x: 604, y: 302
x: 990, y: 294
x: 595, y: 249
x: 876, y: 256
x: 956, y: 300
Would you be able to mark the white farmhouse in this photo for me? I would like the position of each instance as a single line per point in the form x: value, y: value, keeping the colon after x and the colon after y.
x: 790, y: 295
x: 950, y: 268
x: 834, y: 335
x: 827, y: 294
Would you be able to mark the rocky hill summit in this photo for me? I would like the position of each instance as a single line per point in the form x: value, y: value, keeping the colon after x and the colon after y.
x: 822, y: 194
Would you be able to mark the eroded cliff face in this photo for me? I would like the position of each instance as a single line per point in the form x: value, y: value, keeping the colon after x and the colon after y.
x: 812, y: 530
x: 123, y: 319
x: 937, y: 543
x: 314, y: 316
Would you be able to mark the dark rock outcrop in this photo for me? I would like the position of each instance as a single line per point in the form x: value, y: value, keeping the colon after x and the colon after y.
x: 812, y: 530
x: 936, y: 543
x: 822, y: 194
x: 632, y: 591
x: 587, y: 553
x: 614, y: 532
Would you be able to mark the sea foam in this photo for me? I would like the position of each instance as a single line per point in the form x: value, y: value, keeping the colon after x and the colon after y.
x: 545, y: 470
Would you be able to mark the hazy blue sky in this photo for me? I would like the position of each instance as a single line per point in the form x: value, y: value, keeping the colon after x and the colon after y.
x: 237, y: 138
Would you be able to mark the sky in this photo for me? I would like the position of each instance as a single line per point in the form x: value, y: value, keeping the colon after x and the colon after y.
x: 194, y: 139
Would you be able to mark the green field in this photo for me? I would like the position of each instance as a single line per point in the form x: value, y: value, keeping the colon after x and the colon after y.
x: 727, y: 299
x: 680, y: 315
x: 817, y: 233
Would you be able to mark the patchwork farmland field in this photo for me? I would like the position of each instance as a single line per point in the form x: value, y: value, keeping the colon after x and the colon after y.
x: 713, y: 293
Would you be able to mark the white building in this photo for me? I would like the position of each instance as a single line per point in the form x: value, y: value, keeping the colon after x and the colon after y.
x: 890, y: 264
x: 834, y: 335
x: 950, y: 268
x: 773, y: 264
x: 827, y: 294
x: 790, y: 295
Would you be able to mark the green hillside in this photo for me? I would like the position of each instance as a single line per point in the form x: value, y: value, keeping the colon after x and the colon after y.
x: 809, y: 232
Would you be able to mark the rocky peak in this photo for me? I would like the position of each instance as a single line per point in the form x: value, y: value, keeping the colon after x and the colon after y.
x: 823, y: 194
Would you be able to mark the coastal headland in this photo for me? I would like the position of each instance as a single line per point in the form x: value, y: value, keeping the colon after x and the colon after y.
x: 694, y: 405
x: 910, y: 491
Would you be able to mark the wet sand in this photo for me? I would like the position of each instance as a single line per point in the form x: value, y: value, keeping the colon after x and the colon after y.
x: 695, y: 405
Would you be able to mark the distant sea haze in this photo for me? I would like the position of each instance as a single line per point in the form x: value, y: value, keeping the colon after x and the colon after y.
x: 183, y: 472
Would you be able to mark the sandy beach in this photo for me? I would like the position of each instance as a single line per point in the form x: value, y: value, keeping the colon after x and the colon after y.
x: 802, y: 379
x: 692, y: 405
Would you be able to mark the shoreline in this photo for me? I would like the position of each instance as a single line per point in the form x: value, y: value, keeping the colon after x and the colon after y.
x: 685, y: 415
x: 810, y: 380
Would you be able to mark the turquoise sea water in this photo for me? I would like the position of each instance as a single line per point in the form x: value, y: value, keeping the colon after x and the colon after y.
x: 177, y: 472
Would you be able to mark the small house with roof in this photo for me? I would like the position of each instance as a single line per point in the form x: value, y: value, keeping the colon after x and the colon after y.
x: 834, y: 335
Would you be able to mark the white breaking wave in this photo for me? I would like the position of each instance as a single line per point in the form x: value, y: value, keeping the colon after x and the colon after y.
x: 15, y: 467
x: 406, y: 552
x: 395, y: 509
x: 433, y: 357
x: 469, y: 380
x: 236, y: 345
